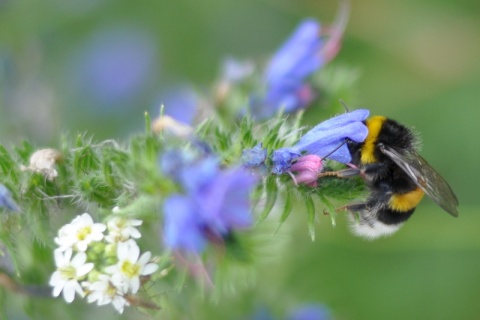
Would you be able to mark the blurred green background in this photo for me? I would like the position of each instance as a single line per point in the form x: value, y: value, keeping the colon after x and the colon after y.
x: 419, y: 63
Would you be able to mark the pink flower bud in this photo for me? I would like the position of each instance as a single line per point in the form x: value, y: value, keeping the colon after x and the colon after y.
x: 307, y: 169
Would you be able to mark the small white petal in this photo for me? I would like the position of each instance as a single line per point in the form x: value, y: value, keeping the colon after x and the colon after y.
x: 84, y: 269
x: 135, y: 284
x: 134, y: 233
x: 111, y: 269
x: 56, y: 279
x: 78, y: 289
x: 136, y: 222
x: 82, y: 246
x: 134, y: 251
x: 144, y: 258
x: 79, y: 259
x: 149, y: 269
x: 65, y: 259
x: 69, y: 292
x: 123, y: 251
x: 86, y: 218
x: 93, y: 296
x: 57, y: 289
x: 59, y: 258
x: 119, y: 304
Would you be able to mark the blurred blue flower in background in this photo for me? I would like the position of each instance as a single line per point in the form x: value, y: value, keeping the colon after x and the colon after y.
x: 310, y: 312
x: 215, y: 203
x: 234, y: 70
x: 304, y: 53
x: 180, y: 103
x: 114, y: 66
x: 6, y: 200
x: 288, y: 69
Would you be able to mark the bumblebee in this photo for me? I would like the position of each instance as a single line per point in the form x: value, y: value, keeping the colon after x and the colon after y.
x: 396, y: 176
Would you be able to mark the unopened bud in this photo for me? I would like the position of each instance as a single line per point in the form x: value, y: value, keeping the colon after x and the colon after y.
x: 169, y: 124
x: 44, y: 161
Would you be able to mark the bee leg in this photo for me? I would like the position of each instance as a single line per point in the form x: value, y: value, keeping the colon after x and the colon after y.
x: 345, y: 173
x: 361, y: 212
x: 376, y: 169
x: 355, y: 207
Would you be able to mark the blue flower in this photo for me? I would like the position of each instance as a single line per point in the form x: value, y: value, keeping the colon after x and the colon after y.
x: 215, y: 203
x: 328, y: 135
x: 304, y: 53
x: 254, y: 157
x: 282, y: 159
x: 183, y: 228
x: 6, y: 200
x: 310, y: 312
x: 288, y: 69
x: 172, y: 162
x: 180, y: 103
x: 323, y: 139
x: 234, y: 71
x: 114, y: 66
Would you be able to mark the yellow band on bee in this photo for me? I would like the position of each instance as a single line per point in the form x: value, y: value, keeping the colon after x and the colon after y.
x: 374, y: 125
x: 406, y: 201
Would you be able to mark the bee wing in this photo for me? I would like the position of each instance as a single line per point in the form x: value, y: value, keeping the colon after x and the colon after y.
x: 425, y: 177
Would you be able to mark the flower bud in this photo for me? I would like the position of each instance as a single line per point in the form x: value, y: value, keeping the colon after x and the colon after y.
x: 307, y: 169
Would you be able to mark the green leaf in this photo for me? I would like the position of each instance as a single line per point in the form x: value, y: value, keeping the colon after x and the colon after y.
x: 287, y: 209
x: 272, y: 137
x: 85, y: 160
x: 148, y: 123
x: 271, y: 191
x: 8, y: 165
x: 310, y: 208
x: 331, y: 211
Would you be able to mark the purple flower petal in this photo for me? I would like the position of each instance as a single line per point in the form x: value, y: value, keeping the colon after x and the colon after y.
x: 6, y: 200
x: 180, y: 103
x: 183, y: 228
x: 330, y: 134
x: 282, y: 159
x: 197, y: 176
x: 286, y: 75
x: 235, y: 208
x: 299, y: 56
x: 254, y: 157
x: 310, y: 312
x: 216, y: 202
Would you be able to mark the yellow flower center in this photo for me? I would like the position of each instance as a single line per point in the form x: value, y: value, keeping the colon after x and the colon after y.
x: 111, y: 290
x: 68, y: 272
x: 84, y: 232
x: 129, y: 269
x: 121, y: 223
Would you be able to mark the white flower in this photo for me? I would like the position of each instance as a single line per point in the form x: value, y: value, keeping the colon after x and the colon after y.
x: 121, y: 229
x: 80, y: 233
x: 126, y: 273
x: 68, y: 273
x: 104, y: 292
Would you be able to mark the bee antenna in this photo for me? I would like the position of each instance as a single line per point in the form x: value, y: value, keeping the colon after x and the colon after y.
x: 344, y: 105
x: 336, y: 148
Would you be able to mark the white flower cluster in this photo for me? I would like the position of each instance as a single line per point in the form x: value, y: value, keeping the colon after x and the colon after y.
x: 103, y: 268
